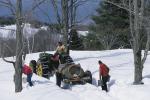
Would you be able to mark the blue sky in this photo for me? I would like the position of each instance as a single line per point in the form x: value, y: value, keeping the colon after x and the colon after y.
x: 85, y: 10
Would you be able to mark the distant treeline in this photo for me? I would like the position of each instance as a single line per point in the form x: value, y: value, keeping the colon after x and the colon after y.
x: 7, y: 20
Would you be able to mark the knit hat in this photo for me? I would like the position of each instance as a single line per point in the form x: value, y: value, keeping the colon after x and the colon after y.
x: 99, y: 61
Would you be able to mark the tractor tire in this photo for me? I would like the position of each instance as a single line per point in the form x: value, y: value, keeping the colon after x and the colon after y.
x: 39, y: 70
x: 88, y: 74
x: 43, y: 70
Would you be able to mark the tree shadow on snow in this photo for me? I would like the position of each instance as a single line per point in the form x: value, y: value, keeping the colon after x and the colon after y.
x: 94, y: 82
x: 121, y: 65
x: 112, y: 82
x: 103, y: 56
x: 146, y: 76
x: 40, y: 82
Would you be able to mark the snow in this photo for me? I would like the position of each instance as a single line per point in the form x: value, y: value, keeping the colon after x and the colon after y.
x: 83, y: 33
x: 44, y: 27
x: 120, y: 62
x: 9, y: 30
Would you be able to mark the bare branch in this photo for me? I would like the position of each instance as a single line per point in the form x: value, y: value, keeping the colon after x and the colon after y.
x: 131, y: 19
x: 81, y: 20
x: 120, y: 5
x: 56, y: 11
x: 2, y: 54
x: 78, y: 3
x: 22, y: 49
x: 12, y: 7
x: 8, y: 61
x: 37, y: 4
x: 9, y: 5
x: 44, y: 12
x: 147, y: 47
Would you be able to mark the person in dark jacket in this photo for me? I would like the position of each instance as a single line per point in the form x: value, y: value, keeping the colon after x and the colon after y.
x: 27, y: 70
x: 103, y: 75
x: 33, y: 64
x: 55, y: 59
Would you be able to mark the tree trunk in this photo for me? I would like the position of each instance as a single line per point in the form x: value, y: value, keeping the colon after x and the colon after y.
x: 71, y: 13
x: 18, y: 80
x: 18, y: 63
x: 137, y: 45
x: 138, y: 68
x: 65, y: 19
x: 74, y: 15
x: 32, y: 43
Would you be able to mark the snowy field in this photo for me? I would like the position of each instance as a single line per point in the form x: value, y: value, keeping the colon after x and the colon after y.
x: 120, y: 86
x: 9, y: 30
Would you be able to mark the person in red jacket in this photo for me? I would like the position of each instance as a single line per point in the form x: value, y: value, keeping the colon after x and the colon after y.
x: 27, y: 70
x: 103, y: 75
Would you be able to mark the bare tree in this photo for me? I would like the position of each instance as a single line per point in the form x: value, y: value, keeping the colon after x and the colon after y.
x: 65, y: 21
x: 72, y: 18
x: 27, y: 16
x: 73, y: 6
x: 108, y: 40
x: 18, y: 63
x: 19, y: 47
x: 139, y: 23
x: 56, y: 10
x: 69, y: 13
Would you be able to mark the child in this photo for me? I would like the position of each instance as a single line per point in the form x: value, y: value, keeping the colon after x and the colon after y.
x: 28, y: 71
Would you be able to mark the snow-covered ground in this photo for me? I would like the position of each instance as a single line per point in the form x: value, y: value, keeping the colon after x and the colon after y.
x: 9, y: 30
x: 120, y: 86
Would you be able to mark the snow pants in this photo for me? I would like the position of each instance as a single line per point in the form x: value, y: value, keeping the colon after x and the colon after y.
x: 58, y: 79
x: 29, y: 76
x: 104, y: 83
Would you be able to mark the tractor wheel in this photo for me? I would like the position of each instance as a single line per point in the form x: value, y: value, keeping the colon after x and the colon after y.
x: 89, y: 75
x: 43, y: 70
x: 39, y: 70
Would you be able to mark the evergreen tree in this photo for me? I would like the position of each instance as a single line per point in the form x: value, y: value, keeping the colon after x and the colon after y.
x: 111, y: 26
x: 75, y: 41
x: 7, y: 20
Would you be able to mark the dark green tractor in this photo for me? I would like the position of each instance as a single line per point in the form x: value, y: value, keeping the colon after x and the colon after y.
x: 65, y: 71
x: 45, y: 65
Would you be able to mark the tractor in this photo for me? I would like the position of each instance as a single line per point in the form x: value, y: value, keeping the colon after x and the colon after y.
x: 72, y: 74
x: 47, y: 63
x: 65, y: 69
